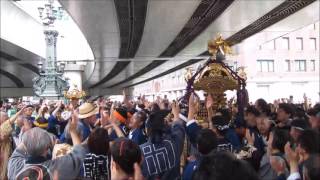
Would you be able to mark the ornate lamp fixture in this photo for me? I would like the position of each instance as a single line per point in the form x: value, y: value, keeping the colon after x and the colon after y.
x: 50, y: 83
x: 49, y: 13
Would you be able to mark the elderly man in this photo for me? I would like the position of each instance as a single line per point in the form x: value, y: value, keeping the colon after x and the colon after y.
x: 33, y: 151
x: 87, y: 116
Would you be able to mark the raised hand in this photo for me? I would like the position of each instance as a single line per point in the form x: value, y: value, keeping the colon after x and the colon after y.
x: 143, y: 98
x: 209, y: 102
x: 175, y: 110
x: 74, y: 121
x: 59, y: 104
x: 292, y: 157
x: 124, y: 92
x: 112, y: 119
x: 73, y: 124
x: 104, y: 118
x: 250, y: 137
x: 192, y: 106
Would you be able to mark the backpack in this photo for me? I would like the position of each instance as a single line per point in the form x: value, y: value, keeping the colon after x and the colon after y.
x: 34, y: 172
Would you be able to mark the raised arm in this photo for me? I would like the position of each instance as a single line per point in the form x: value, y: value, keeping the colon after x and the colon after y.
x: 209, y: 104
x: 192, y: 127
x: 73, y: 129
x: 54, y: 113
x: 178, y: 127
x: 14, y: 117
x: 113, y: 124
x: 126, y: 99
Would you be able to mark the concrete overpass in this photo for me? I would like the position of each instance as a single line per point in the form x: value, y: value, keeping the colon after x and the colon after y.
x: 136, y: 41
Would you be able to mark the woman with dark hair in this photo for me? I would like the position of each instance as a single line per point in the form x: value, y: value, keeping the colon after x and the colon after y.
x: 263, y: 107
x: 96, y: 162
x: 124, y: 154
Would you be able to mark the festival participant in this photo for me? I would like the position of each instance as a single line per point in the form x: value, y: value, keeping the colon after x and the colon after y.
x: 96, y: 162
x: 263, y: 107
x: 34, y: 149
x: 56, y: 123
x: 136, y: 124
x: 229, y: 133
x: 5, y: 140
x: 284, y: 115
x: 28, y: 112
x: 314, y: 117
x: 264, y: 126
x: 296, y: 129
x: 275, y: 155
x: 224, y: 166
x: 310, y: 169
x: 220, y: 125
x: 87, y: 116
x: 303, y: 160
x: 206, y: 142
x: 42, y: 119
x: 161, y: 153
x: 251, y: 116
x: 120, y: 117
x: 308, y: 143
x: 125, y: 154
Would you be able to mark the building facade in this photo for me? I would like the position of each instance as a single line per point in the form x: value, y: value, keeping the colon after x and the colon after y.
x: 282, y: 67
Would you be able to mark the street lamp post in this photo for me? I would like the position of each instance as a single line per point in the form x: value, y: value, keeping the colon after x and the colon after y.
x: 50, y: 83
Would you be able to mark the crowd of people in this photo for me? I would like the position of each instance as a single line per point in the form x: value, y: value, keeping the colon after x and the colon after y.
x: 158, y: 140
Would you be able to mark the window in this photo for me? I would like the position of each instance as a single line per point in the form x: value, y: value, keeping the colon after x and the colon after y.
x: 299, y: 43
x: 300, y: 65
x: 263, y: 90
x: 287, y: 66
x: 313, y: 43
x: 265, y: 65
x: 269, y: 45
x: 284, y: 43
x: 313, y: 65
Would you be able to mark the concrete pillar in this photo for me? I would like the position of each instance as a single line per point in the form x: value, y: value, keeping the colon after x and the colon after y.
x: 74, y: 73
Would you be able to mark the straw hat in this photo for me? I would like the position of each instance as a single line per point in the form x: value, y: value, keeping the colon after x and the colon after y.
x: 87, y: 110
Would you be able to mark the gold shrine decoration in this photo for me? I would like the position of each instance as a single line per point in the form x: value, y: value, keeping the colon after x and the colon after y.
x: 74, y: 93
x: 219, y: 43
x: 215, y: 79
